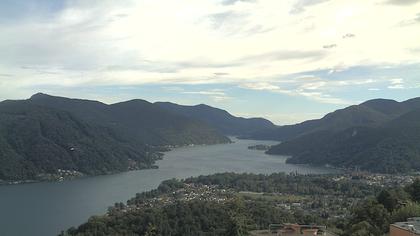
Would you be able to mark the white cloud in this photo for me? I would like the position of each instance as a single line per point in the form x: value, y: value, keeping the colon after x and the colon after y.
x: 191, y: 42
x: 396, y: 83
x: 206, y: 92
x: 313, y: 89
x: 402, y: 2
x: 356, y: 82
x: 397, y: 86
x: 217, y: 95
x: 261, y: 86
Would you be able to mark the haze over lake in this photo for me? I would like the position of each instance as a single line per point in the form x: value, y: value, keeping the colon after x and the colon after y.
x: 47, y: 208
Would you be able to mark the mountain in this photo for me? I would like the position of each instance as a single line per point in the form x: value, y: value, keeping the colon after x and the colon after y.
x: 389, y: 145
x: 36, y: 141
x: 372, y: 113
x: 137, y: 121
x: 220, y: 119
x: 44, y: 134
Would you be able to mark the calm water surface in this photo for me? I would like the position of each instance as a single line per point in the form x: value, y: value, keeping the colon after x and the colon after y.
x: 44, y: 209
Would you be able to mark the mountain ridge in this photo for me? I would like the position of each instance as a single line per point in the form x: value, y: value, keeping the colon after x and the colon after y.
x: 369, y: 113
x: 218, y: 118
x: 137, y: 120
x: 44, y: 134
x: 389, y: 146
x: 36, y: 141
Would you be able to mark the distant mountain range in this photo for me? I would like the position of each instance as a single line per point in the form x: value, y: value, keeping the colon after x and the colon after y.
x: 219, y: 119
x: 45, y: 133
x: 378, y: 135
x: 370, y: 114
x: 136, y: 121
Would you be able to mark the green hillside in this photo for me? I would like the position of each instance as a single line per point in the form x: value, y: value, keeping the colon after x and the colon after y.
x: 391, y: 147
x: 137, y: 121
x: 220, y: 119
x: 45, y: 134
x: 372, y: 113
x: 36, y: 140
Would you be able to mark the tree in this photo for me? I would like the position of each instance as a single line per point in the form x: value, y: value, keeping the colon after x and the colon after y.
x: 151, y: 230
x: 414, y: 190
x: 238, y: 223
x: 409, y: 210
x: 374, y: 214
x: 363, y: 228
x: 388, y: 200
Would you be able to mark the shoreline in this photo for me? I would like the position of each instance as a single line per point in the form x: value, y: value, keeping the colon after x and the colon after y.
x: 60, y: 178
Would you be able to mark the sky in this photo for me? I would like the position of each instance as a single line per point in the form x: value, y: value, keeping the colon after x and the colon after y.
x: 287, y: 61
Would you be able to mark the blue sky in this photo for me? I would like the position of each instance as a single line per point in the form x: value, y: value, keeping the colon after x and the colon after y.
x: 284, y: 60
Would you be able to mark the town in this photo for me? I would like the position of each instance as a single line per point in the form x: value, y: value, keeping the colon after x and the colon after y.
x: 328, y: 209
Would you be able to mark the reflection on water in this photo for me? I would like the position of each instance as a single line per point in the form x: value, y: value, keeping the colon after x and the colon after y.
x: 46, y: 208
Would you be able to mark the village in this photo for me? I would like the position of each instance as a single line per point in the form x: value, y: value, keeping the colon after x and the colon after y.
x: 189, y: 192
x: 327, y: 207
x: 376, y: 179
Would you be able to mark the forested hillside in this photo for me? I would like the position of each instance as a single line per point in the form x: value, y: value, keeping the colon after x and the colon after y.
x: 45, y: 137
x: 35, y: 141
x: 137, y: 121
x: 391, y: 145
x: 220, y: 119
x: 371, y: 113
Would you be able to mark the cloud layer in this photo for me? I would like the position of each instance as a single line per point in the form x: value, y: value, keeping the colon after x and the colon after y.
x: 287, y: 47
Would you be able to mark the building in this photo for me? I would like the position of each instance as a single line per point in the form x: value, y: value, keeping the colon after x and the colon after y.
x: 298, y: 230
x: 409, y: 228
x: 292, y: 230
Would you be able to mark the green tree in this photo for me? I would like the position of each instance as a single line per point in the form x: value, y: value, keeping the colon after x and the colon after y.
x: 374, y: 214
x: 238, y: 221
x: 407, y: 211
x: 151, y: 230
x: 363, y: 228
x: 388, y: 200
x: 237, y: 225
x: 414, y: 190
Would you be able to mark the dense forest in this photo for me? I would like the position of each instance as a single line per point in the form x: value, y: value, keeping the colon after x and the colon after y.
x: 390, y: 148
x: 235, y: 204
x: 378, y: 136
x: 35, y: 141
x: 373, y: 215
x: 185, y: 219
x: 220, y: 119
x: 371, y: 113
x: 136, y: 121
x: 50, y: 138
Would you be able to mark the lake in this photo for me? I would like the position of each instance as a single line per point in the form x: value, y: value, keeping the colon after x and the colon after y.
x: 43, y: 209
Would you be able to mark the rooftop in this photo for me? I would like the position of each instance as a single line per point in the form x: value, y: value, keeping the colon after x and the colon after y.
x: 412, y: 225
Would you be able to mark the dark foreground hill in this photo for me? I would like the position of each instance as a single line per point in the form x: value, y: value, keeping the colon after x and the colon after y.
x: 137, y: 121
x: 36, y: 141
x: 220, y: 119
x: 45, y: 134
x: 383, y: 138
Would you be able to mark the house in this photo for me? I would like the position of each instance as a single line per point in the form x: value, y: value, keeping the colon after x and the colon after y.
x: 292, y: 230
x: 304, y: 230
x: 409, y: 228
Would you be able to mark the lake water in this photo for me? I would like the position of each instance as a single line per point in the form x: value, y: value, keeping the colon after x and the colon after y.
x: 44, y: 209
